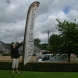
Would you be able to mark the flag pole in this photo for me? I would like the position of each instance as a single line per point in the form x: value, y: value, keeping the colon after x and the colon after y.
x: 28, y: 34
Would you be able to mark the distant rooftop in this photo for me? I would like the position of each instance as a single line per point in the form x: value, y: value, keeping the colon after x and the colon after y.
x: 4, y: 47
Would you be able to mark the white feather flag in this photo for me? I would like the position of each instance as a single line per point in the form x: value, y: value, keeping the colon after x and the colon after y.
x: 28, y: 35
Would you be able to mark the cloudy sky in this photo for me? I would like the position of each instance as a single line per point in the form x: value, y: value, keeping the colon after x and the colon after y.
x: 13, y: 18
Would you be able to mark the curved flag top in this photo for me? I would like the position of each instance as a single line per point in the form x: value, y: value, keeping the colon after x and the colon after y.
x: 28, y: 35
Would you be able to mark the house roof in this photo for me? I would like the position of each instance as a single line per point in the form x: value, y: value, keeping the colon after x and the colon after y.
x: 36, y: 48
x: 4, y: 47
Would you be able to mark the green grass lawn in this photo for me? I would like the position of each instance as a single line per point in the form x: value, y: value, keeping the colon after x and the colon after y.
x: 27, y: 74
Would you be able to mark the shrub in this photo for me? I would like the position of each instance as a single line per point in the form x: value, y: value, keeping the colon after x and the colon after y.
x: 6, y: 54
x: 52, y: 67
x: 5, y: 65
x: 43, y: 67
x: 34, y: 54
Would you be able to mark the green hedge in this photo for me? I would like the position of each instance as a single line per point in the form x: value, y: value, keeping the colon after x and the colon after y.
x: 5, y: 65
x: 52, y: 67
x: 6, y: 54
x: 43, y: 67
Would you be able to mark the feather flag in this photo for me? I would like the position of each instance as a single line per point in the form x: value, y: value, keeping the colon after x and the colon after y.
x: 28, y: 35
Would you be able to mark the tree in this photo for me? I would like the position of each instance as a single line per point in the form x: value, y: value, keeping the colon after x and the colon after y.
x: 37, y: 41
x: 69, y: 33
x: 55, y: 42
x: 44, y: 46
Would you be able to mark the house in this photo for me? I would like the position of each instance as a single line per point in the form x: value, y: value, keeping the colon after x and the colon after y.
x: 37, y: 50
x: 4, y: 47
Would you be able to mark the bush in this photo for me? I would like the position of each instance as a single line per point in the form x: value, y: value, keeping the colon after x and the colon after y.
x: 6, y: 54
x: 5, y: 65
x: 43, y: 67
x: 34, y: 54
x: 52, y: 67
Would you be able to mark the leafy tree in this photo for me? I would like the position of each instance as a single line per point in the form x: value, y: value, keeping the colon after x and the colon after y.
x: 37, y: 41
x: 44, y: 46
x: 55, y: 42
x: 69, y: 33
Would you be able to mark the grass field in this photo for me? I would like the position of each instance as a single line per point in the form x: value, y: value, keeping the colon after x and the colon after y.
x: 27, y: 74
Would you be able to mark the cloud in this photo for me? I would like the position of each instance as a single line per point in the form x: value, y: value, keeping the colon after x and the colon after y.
x: 13, y: 18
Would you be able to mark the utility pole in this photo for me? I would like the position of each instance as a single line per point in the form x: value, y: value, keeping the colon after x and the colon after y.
x: 15, y: 41
x: 48, y: 39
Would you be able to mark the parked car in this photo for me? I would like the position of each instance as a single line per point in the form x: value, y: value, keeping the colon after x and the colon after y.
x: 45, y: 57
x: 52, y: 58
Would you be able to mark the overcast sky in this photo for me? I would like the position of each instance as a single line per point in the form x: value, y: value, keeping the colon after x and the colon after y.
x: 13, y: 18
